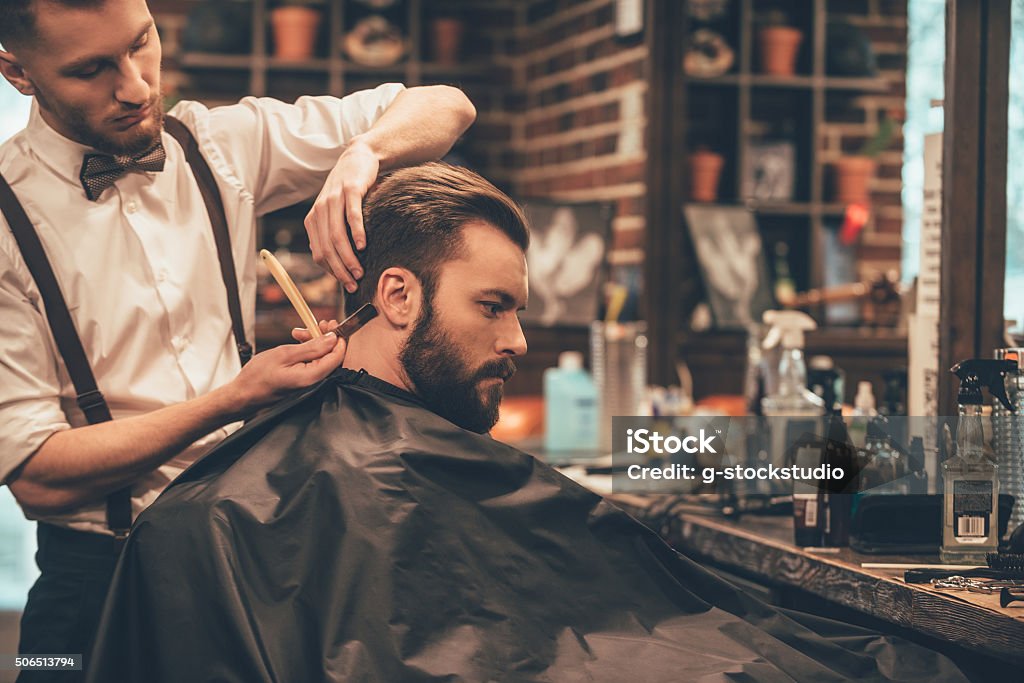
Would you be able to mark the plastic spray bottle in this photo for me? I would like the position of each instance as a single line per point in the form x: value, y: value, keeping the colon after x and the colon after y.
x: 792, y: 412
x: 970, y: 522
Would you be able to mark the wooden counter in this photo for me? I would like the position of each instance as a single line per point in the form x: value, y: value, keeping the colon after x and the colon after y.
x: 762, y: 549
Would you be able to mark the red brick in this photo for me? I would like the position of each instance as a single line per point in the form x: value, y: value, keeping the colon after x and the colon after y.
x: 886, y: 199
x: 888, y: 226
x: 894, y: 171
x: 627, y: 239
x: 893, y: 8
x: 629, y: 206
x: 878, y: 253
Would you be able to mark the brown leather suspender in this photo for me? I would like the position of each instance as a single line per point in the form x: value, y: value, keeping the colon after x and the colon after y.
x: 90, y: 400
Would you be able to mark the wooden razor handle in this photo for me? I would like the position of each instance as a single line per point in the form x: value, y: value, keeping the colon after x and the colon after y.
x: 292, y: 292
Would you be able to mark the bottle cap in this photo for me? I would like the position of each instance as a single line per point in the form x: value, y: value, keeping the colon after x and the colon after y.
x: 570, y: 360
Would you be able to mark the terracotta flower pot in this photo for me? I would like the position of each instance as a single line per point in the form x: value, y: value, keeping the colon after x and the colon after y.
x: 295, y: 29
x: 853, y: 176
x: 705, y: 171
x: 780, y: 46
x: 446, y: 40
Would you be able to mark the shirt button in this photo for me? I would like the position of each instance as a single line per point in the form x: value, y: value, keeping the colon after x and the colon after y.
x: 161, y: 276
x: 131, y: 207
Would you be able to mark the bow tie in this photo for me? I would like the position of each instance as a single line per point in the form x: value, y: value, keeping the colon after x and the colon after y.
x: 99, y: 171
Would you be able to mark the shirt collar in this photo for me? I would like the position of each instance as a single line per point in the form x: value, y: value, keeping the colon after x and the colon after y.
x: 62, y: 155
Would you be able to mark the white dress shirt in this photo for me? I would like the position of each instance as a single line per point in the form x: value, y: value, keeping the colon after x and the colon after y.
x: 139, y: 271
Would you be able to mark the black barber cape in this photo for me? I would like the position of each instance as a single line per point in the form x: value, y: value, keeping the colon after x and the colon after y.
x: 352, y: 535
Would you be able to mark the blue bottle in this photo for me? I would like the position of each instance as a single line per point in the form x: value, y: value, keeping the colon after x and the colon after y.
x: 570, y: 408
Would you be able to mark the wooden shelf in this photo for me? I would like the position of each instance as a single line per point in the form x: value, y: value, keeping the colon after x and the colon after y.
x: 787, y: 208
x: 435, y: 70
x: 209, y: 60
x: 797, y: 81
x: 308, y: 65
x: 716, y: 358
x: 783, y: 208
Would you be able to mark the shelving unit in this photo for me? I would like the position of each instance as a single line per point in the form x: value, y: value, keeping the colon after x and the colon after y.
x: 342, y: 75
x: 731, y: 111
x: 726, y: 113
x: 216, y: 78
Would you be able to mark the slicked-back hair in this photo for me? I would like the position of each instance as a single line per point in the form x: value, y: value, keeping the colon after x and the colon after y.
x: 414, y: 219
x: 18, y: 18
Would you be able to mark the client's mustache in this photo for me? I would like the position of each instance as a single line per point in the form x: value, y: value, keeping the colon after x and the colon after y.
x: 503, y: 368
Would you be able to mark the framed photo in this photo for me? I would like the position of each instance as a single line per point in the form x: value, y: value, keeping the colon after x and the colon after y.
x: 732, y: 263
x: 769, y: 172
x: 568, y: 244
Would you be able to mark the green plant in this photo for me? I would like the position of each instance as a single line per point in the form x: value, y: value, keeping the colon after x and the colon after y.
x: 881, y: 139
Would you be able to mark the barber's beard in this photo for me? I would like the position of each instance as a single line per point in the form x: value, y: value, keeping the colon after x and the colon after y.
x: 138, y: 139
x: 445, y: 383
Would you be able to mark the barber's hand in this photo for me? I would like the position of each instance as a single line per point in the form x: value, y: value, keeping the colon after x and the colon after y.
x: 302, y: 334
x: 341, y: 203
x: 273, y: 374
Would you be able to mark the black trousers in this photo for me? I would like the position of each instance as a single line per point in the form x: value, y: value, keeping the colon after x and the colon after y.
x: 64, y: 604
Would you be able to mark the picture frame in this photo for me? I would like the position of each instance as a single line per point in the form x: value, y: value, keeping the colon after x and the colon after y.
x: 566, y: 260
x: 733, y: 266
x: 769, y: 171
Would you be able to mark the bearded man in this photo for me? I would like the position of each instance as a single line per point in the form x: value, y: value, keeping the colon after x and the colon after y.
x: 371, y: 530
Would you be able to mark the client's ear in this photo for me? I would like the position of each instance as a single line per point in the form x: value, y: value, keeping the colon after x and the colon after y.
x: 399, y: 296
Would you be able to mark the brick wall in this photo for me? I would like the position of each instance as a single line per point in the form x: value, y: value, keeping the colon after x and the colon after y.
x: 853, y: 120
x: 562, y: 115
x: 581, y: 134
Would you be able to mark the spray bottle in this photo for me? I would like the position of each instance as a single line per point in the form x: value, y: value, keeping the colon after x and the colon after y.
x: 792, y: 412
x: 791, y: 397
x: 970, y: 523
x: 1008, y: 438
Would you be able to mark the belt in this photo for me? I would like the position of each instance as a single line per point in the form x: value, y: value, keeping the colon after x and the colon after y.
x: 61, y: 543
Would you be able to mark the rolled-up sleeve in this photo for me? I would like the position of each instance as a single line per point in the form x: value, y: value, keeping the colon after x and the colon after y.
x: 282, y: 153
x: 29, y: 384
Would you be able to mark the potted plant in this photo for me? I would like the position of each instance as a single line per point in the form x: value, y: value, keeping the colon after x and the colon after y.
x: 780, y: 45
x: 853, y: 173
x: 295, y: 24
x: 705, y: 171
x: 446, y: 32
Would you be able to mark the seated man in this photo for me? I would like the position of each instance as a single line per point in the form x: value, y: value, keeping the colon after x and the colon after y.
x: 371, y: 530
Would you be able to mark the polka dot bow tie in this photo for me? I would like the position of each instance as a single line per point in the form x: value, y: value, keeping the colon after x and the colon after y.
x: 100, y: 171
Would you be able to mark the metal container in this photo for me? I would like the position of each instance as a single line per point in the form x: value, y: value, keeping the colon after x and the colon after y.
x: 1008, y: 438
x: 619, y: 363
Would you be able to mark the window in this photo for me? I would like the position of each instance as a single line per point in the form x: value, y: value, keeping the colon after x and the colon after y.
x: 1013, y: 296
x: 926, y: 58
x: 17, y: 537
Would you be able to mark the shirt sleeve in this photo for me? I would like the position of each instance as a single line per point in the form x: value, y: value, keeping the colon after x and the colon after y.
x: 29, y: 382
x: 282, y: 153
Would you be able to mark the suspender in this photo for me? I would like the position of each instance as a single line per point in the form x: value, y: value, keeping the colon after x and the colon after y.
x: 89, y: 398
x: 215, y: 209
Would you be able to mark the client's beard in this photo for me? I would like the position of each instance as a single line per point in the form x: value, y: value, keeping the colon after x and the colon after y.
x: 444, y: 382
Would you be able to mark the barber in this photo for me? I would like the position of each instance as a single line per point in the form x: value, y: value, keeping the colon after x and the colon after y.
x: 125, y: 205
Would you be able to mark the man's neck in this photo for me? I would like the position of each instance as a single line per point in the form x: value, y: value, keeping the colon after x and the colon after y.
x: 379, y: 357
